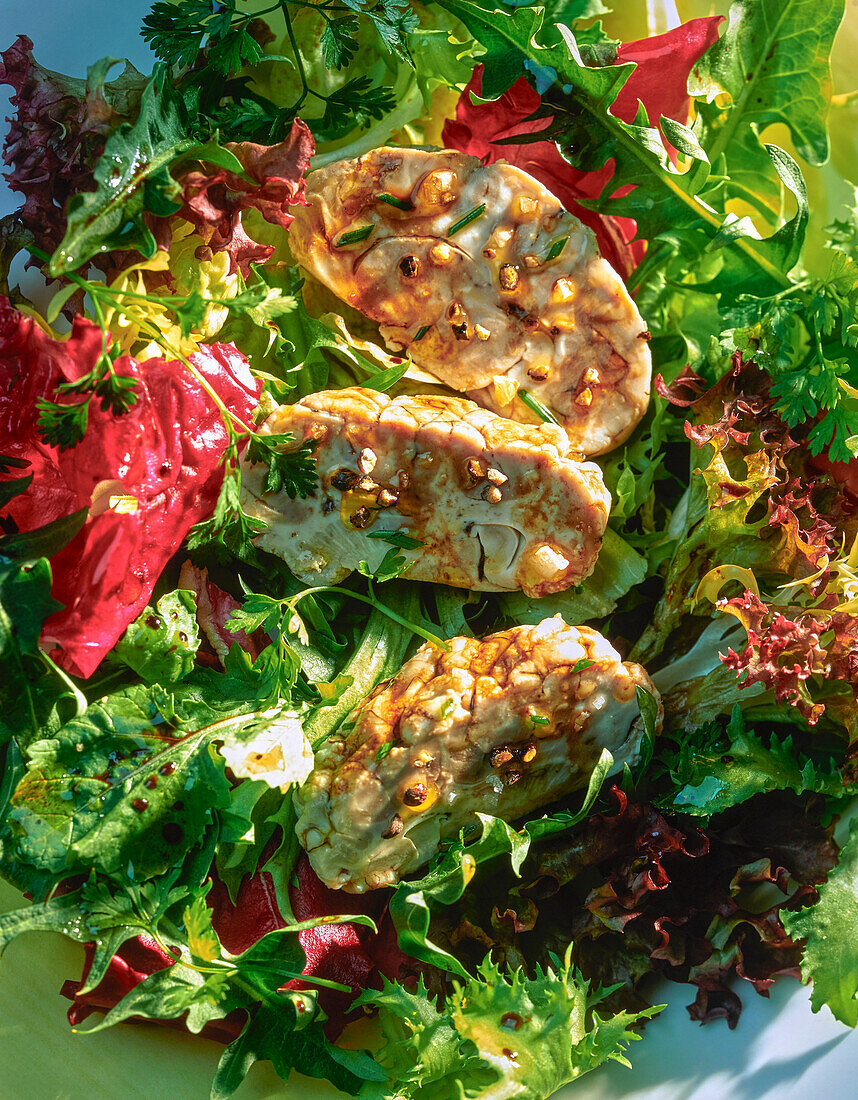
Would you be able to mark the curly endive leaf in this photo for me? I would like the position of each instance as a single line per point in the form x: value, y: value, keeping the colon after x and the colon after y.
x: 716, y: 776
x: 831, y: 955
x: 501, y: 1034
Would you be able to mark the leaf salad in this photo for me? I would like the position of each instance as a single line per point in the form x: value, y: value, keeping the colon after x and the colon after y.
x: 164, y: 682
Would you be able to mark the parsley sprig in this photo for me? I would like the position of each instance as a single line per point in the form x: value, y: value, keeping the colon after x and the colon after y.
x: 229, y: 40
x: 229, y: 531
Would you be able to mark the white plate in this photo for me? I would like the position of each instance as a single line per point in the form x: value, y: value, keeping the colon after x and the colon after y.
x: 779, y: 1051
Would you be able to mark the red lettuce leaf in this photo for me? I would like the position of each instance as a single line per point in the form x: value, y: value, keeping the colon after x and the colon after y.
x: 639, y: 893
x: 214, y: 607
x: 351, y: 954
x: 785, y: 648
x: 58, y: 134
x: 660, y: 82
x: 214, y: 201
x: 165, y: 453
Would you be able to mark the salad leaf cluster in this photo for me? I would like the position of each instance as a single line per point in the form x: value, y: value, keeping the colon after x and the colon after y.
x: 164, y: 681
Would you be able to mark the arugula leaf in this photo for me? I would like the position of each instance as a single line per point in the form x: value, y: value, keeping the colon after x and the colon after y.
x: 255, y: 813
x: 271, y: 1035
x: 162, y: 642
x: 172, y: 992
x: 44, y: 541
x: 10, y: 489
x: 132, y: 176
x: 772, y: 60
x: 830, y: 959
x: 25, y: 602
x: 60, y: 914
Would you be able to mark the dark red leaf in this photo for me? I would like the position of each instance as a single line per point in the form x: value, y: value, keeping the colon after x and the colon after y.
x: 214, y: 201
x: 214, y: 607
x: 58, y: 134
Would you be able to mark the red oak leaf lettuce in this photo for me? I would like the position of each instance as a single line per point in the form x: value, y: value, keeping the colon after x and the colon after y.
x: 660, y: 82
x: 639, y: 892
x: 58, y: 133
x: 214, y: 201
x: 163, y: 457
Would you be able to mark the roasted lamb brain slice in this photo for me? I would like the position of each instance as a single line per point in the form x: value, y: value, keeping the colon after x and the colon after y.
x: 468, y: 306
x: 503, y: 726
x: 498, y: 506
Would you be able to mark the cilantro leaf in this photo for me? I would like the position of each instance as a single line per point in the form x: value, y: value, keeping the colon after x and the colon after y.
x: 230, y: 531
x: 391, y: 566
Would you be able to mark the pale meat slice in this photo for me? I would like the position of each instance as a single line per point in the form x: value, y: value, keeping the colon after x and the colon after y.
x: 515, y: 299
x: 503, y: 725
x: 497, y: 506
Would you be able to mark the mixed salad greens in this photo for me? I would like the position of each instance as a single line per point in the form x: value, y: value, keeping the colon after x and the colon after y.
x: 164, y: 682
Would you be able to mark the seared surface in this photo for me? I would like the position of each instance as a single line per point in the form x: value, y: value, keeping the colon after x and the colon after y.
x: 502, y: 725
x: 485, y: 308
x: 498, y: 506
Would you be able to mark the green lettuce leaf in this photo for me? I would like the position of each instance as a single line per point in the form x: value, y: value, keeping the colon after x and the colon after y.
x: 830, y: 959
x: 162, y: 642
x: 773, y: 62
x: 618, y: 570
x: 120, y: 785
x: 715, y: 770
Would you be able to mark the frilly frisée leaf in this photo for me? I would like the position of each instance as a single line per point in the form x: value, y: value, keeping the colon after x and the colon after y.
x: 831, y: 954
x: 501, y: 1034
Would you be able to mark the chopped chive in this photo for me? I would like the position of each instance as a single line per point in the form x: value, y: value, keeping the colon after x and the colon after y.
x: 392, y: 200
x: 471, y: 216
x: 556, y: 249
x: 538, y: 719
x: 421, y: 332
x: 446, y: 708
x: 383, y: 751
x: 579, y: 666
x: 537, y: 407
x: 355, y: 235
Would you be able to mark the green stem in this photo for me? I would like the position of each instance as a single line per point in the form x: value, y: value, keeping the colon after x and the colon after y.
x: 293, y: 601
x: 379, y: 654
x: 299, y: 61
